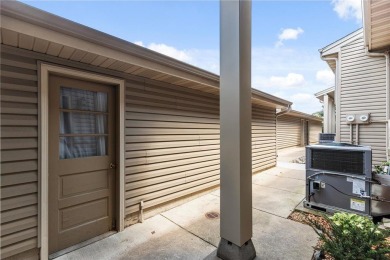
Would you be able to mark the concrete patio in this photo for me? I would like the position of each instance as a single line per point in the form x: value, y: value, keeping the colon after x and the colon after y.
x: 185, y: 232
x: 288, y: 155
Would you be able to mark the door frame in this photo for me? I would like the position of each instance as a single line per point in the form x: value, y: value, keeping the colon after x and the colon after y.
x: 45, y: 70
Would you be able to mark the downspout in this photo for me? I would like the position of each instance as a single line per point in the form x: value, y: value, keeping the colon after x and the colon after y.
x: 387, y: 55
x: 337, y: 95
x: 387, y: 102
x: 357, y: 134
x: 282, y: 112
x: 351, y: 134
x: 387, y: 121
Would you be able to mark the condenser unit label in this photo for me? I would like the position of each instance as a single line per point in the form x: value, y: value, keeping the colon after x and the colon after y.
x: 358, y: 204
x: 358, y: 186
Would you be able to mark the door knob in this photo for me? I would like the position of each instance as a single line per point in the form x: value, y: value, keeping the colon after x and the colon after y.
x: 112, y: 166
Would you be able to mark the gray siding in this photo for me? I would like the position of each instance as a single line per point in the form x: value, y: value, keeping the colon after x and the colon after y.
x: 19, y: 154
x: 363, y: 89
x: 289, y: 130
x: 172, y: 144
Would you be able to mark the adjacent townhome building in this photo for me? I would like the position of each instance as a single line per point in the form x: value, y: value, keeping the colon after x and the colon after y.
x: 297, y: 129
x: 327, y: 99
x: 356, y: 109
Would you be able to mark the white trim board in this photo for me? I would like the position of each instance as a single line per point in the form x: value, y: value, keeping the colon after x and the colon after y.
x: 336, y: 46
x: 45, y: 71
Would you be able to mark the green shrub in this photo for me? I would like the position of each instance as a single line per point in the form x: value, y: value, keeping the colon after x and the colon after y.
x: 381, y: 168
x: 351, y: 237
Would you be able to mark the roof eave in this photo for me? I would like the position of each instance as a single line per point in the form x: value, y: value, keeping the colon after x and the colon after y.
x: 335, y: 47
x: 35, y: 16
x: 28, y: 20
x: 300, y: 114
x: 270, y: 98
x: 324, y: 92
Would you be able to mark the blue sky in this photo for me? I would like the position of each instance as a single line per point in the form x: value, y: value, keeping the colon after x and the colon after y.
x: 286, y: 36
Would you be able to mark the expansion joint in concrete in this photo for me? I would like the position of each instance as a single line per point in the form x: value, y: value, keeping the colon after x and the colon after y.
x: 201, y: 238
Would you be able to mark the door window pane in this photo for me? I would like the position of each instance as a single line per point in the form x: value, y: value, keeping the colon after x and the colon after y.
x: 82, y: 146
x: 82, y: 123
x: 80, y: 99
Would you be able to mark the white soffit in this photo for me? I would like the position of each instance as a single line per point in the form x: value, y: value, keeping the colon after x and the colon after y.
x: 329, y: 91
x: 376, y: 16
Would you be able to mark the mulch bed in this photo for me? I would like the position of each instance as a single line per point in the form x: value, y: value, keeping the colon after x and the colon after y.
x: 304, y: 218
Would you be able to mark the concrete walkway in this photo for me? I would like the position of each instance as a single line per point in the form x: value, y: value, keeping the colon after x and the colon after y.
x: 184, y: 232
x: 288, y: 155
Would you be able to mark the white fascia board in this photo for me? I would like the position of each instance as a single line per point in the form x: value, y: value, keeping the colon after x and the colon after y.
x: 366, y: 6
x: 324, y: 92
x: 300, y: 114
x: 335, y: 47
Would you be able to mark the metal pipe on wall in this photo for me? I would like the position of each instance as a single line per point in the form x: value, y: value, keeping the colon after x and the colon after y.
x: 387, y: 55
x: 351, y: 134
x: 357, y: 134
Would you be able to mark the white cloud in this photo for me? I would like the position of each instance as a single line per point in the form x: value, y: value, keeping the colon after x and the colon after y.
x: 140, y: 43
x: 292, y: 80
x: 302, y: 101
x: 202, y: 58
x: 301, y: 97
x: 270, y: 62
x: 288, y: 34
x: 347, y: 9
x: 170, y: 51
x: 326, y: 77
x: 305, y: 102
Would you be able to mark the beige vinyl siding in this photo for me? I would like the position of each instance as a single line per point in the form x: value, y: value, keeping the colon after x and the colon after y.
x: 171, y: 143
x: 363, y: 90
x: 289, y: 131
x: 263, y: 138
x: 19, y: 154
x: 315, y: 128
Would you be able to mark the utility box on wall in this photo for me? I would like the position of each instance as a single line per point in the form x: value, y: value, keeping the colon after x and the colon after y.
x: 338, y: 178
x: 358, y: 119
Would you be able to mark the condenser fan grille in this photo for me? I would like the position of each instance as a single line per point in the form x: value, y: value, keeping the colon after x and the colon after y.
x: 338, y: 161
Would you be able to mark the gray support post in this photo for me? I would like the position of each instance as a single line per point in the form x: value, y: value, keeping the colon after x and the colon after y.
x: 327, y: 116
x: 332, y: 115
x: 235, y: 118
